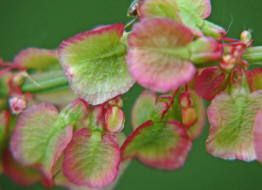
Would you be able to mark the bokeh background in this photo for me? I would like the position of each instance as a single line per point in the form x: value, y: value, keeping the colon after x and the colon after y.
x: 45, y: 23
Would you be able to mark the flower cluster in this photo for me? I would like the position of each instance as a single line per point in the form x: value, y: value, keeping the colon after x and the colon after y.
x: 61, y: 116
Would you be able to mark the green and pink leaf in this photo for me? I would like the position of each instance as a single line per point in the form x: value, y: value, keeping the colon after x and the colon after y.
x: 160, y: 145
x: 209, y: 82
x: 34, y: 58
x: 258, y: 136
x: 41, y: 135
x: 203, y: 7
x: 92, y: 159
x: 254, y: 78
x: 157, y: 48
x: 146, y: 107
x: 232, y: 120
x: 19, y: 174
x: 158, y: 8
x: 94, y: 62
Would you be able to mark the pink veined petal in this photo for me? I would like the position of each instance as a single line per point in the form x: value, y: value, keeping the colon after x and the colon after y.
x: 149, y: 59
x: 91, y: 161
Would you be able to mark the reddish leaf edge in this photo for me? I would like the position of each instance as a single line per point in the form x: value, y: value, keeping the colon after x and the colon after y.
x: 80, y: 132
x: 150, y: 164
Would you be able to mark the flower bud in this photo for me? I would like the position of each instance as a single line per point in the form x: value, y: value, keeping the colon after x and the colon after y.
x: 246, y: 37
x: 114, y: 120
x: 17, y: 104
x: 205, y: 49
x: 185, y: 100
x: 228, y: 62
x: 189, y: 116
x: 18, y: 79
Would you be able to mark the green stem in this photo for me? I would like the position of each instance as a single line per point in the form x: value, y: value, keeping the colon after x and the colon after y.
x: 48, y: 81
x: 209, y: 64
x: 56, y: 80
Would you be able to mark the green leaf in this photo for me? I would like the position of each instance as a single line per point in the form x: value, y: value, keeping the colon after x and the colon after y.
x: 201, y: 8
x: 159, y: 8
x: 41, y: 134
x: 95, y: 65
x: 158, y: 54
x: 61, y: 180
x: 254, y: 78
x: 158, y: 144
x: 231, y: 120
x: 19, y: 174
x: 191, y: 13
x: 92, y: 159
x: 38, y: 59
x: 146, y: 108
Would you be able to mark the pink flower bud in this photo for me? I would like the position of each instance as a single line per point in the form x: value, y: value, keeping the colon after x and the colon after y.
x: 228, y: 62
x: 17, y: 104
x: 114, y: 120
x: 189, y: 115
x: 185, y: 100
x: 246, y: 37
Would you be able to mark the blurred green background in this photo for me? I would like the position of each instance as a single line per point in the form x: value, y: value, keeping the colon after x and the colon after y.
x: 45, y: 23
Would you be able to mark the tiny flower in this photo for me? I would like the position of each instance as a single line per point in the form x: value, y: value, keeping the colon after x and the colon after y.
x: 189, y: 114
x: 17, y: 104
x: 246, y: 37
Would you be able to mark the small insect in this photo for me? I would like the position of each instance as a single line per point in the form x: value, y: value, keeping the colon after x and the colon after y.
x: 132, y: 11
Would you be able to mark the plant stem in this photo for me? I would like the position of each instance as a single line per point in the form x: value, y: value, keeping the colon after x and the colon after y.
x: 210, y: 64
x: 48, y: 81
x: 56, y: 80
